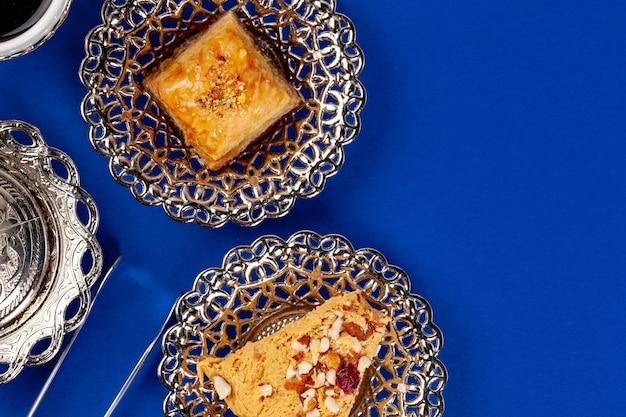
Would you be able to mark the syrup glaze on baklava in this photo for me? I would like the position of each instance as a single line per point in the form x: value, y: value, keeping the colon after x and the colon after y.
x: 221, y: 91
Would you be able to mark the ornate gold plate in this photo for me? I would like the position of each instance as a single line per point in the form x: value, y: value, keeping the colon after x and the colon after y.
x: 264, y: 286
x: 313, y: 44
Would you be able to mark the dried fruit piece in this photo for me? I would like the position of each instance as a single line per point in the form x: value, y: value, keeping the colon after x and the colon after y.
x: 348, y: 378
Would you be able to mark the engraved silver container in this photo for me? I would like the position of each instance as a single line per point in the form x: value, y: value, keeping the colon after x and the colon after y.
x: 262, y: 287
x: 49, y: 256
x: 319, y: 55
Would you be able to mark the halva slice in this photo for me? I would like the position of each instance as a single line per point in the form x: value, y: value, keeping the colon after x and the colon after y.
x: 312, y: 367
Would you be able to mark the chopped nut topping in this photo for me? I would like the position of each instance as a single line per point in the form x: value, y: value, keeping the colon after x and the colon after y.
x: 321, y: 378
x: 353, y: 359
x: 222, y: 387
x: 266, y: 390
x: 333, y: 359
x: 364, y: 363
x: 305, y: 340
x: 324, y: 345
x: 330, y: 364
x: 315, y: 350
x: 331, y: 376
x: 332, y: 405
x: 291, y: 373
x: 304, y: 367
x: 335, y: 329
x: 313, y: 413
x: 226, y: 92
x: 300, y: 347
x: 307, y: 379
x: 310, y: 393
x: 309, y: 404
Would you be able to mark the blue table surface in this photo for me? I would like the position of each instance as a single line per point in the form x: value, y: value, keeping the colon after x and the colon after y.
x: 491, y: 167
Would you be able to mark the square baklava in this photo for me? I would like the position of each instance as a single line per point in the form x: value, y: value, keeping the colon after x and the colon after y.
x: 221, y: 91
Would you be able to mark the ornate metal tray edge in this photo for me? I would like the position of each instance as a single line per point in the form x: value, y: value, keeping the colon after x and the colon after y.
x: 264, y: 182
x: 294, y: 276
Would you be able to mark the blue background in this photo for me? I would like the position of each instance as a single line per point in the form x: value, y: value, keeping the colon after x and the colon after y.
x: 490, y: 167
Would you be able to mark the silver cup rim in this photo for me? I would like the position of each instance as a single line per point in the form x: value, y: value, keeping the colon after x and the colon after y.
x: 37, y: 34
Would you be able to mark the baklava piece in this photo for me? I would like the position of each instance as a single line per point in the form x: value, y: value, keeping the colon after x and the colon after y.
x: 312, y: 367
x: 221, y: 91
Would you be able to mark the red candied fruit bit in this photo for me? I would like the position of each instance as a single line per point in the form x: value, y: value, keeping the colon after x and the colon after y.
x: 348, y: 378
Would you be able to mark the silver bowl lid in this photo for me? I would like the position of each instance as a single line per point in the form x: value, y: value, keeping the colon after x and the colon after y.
x: 49, y: 256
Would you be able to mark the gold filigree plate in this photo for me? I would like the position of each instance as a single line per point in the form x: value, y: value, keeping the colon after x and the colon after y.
x: 264, y: 286
x: 317, y: 50
x: 49, y: 256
